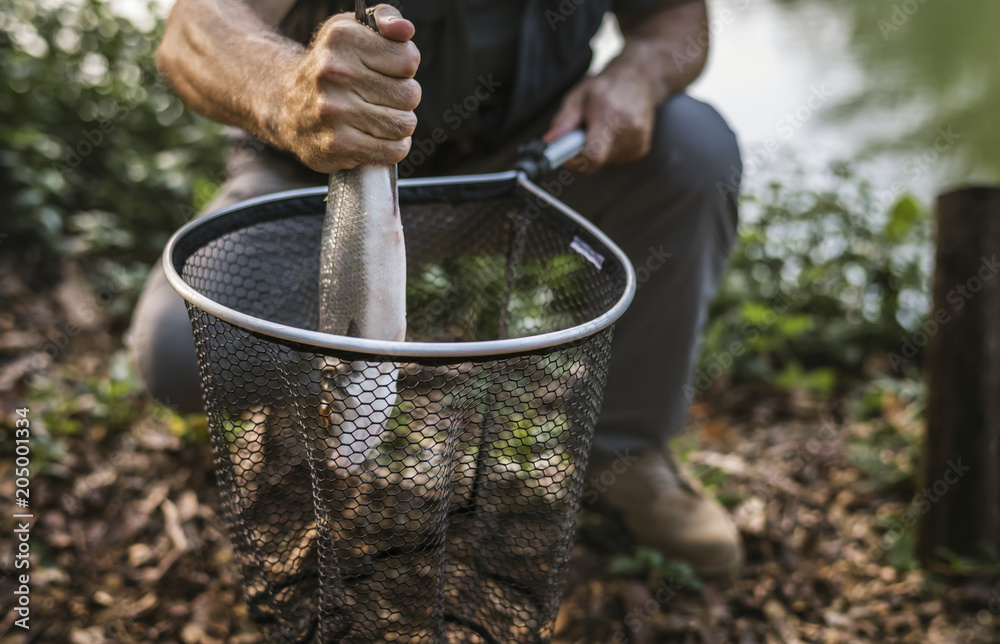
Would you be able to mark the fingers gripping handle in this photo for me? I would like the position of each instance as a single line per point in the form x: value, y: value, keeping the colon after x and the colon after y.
x: 537, y: 158
x: 365, y: 16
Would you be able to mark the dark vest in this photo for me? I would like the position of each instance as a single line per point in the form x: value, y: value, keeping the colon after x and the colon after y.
x: 554, y: 53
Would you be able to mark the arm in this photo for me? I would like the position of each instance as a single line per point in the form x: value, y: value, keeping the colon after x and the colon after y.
x: 618, y: 105
x: 346, y: 99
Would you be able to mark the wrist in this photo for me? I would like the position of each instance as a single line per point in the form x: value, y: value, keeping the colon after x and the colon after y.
x: 269, y: 102
x: 641, y: 61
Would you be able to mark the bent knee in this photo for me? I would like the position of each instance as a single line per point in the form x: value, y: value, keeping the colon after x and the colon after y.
x: 162, y: 346
x: 693, y: 141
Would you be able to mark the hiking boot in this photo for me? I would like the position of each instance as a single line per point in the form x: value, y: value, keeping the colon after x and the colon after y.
x: 664, y: 510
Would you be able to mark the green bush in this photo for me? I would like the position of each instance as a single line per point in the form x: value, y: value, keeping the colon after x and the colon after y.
x: 98, y: 157
x: 824, y: 281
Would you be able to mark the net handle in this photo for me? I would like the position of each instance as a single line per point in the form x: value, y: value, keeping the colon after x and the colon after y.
x: 538, y: 158
x: 564, y: 148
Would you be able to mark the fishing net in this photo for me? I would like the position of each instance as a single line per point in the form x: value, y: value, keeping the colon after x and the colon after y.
x: 452, y: 520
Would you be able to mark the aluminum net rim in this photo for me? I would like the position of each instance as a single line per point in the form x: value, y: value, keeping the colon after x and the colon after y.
x: 453, y: 350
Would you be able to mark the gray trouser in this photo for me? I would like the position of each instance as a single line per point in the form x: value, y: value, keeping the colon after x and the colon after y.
x: 674, y: 213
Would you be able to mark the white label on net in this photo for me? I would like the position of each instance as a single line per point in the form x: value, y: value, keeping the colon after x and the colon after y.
x: 589, y: 253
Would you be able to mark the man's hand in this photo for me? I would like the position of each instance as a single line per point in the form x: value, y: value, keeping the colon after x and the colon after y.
x: 350, y: 100
x: 347, y: 99
x: 618, y: 107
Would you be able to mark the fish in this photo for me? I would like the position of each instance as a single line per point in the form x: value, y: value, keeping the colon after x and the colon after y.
x: 362, y: 294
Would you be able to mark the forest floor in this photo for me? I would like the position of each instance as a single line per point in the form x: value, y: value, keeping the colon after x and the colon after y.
x: 127, y: 544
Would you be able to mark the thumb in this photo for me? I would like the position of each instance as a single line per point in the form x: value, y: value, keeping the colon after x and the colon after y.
x: 391, y: 24
x: 568, y: 118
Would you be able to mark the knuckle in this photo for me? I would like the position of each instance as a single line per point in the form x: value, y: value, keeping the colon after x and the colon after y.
x: 397, y: 151
x: 410, y: 94
x: 332, y: 110
x: 391, y: 126
x: 617, y: 115
x: 407, y: 124
x: 394, y: 126
x: 327, y: 145
x: 336, y: 31
x: 335, y: 70
x: 410, y: 59
x: 322, y: 33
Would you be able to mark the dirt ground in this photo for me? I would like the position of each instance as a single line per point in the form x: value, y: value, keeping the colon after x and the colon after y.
x: 127, y: 544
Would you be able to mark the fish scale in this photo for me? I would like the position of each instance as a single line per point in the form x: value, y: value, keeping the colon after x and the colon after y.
x: 362, y: 293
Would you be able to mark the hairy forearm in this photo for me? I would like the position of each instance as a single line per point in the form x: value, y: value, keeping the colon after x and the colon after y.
x: 227, y: 63
x: 668, y: 45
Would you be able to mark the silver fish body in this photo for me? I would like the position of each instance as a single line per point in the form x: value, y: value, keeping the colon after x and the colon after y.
x: 362, y: 293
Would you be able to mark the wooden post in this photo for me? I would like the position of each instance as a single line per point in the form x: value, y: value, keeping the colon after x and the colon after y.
x: 960, y: 469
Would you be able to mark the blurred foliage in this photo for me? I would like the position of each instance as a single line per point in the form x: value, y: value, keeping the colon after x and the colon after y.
x: 928, y: 67
x: 101, y: 161
x: 468, y: 292
x: 100, y: 405
x: 885, y: 444
x: 109, y: 406
x: 604, y: 532
x: 650, y: 563
x: 97, y: 155
x: 824, y: 281
x: 898, y: 544
x: 988, y: 565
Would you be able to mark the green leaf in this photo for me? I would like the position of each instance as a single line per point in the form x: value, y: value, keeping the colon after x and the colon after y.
x: 821, y: 381
x: 758, y: 313
x: 903, y: 216
x: 793, y: 326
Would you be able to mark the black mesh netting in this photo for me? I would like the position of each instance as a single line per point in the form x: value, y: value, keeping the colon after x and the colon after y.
x: 447, y: 513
